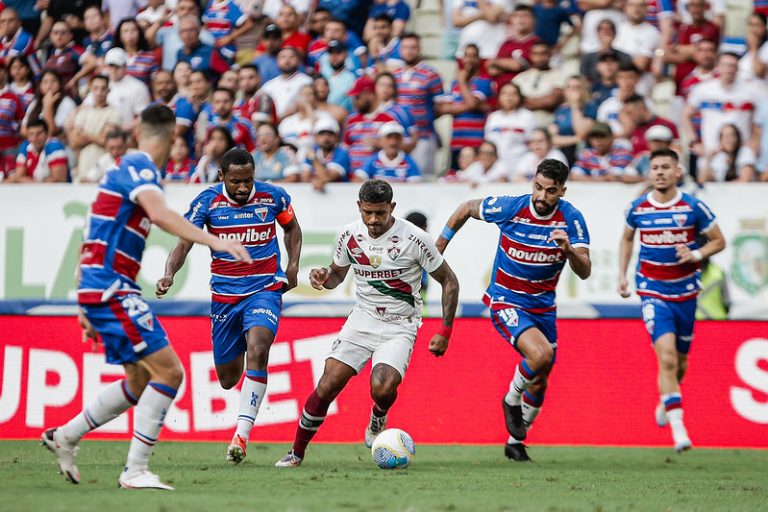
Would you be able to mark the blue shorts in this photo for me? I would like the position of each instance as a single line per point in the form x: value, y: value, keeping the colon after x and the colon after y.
x: 128, y: 329
x: 230, y: 323
x: 512, y: 322
x: 663, y: 317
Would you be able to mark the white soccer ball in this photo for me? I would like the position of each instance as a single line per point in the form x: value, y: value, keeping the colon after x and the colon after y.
x: 393, y: 449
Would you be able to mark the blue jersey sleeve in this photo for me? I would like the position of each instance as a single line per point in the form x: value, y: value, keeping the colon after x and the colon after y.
x: 705, y: 219
x: 630, y: 217
x: 136, y: 174
x: 185, y: 112
x: 198, y: 209
x: 578, y: 234
x: 402, y: 11
x: 341, y: 162
x: 498, y: 209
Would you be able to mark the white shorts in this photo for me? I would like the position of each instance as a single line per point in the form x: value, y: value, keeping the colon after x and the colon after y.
x: 364, y: 337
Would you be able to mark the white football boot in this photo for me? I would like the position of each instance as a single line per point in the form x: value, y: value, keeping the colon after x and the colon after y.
x: 375, y: 427
x: 65, y: 455
x: 141, y: 479
x: 680, y: 438
x: 289, y: 461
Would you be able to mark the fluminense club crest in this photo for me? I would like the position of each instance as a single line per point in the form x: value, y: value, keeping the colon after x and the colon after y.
x: 749, y: 264
x: 393, y: 252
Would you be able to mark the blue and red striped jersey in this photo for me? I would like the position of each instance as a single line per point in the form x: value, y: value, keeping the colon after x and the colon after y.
x: 221, y: 17
x: 527, y: 266
x: 254, y: 225
x: 663, y: 226
x: 468, y: 128
x: 360, y: 128
x: 401, y: 169
x: 116, y: 230
x: 142, y: 65
x: 417, y: 88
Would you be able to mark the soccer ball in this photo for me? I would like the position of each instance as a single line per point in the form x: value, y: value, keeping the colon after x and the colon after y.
x: 393, y: 449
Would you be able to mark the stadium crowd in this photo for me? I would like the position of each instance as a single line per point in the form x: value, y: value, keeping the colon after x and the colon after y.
x: 329, y: 90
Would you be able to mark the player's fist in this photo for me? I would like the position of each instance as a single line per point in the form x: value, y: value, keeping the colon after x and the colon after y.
x: 438, y: 345
x: 623, y: 287
x: 163, y: 285
x: 89, y: 333
x: 318, y: 277
x: 686, y: 255
x: 292, y: 273
x: 233, y: 247
x: 560, y: 237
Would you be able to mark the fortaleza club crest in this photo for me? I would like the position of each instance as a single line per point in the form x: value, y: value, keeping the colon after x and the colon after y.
x: 393, y: 252
x: 680, y: 219
x: 749, y: 264
x: 375, y: 260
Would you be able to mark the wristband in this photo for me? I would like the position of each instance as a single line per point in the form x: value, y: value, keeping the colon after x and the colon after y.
x: 697, y: 255
x: 447, y: 233
x: 445, y: 331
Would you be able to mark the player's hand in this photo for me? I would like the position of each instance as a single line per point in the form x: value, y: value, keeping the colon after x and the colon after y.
x: 685, y: 254
x: 292, y: 273
x: 438, y: 345
x: 623, y: 287
x: 560, y: 237
x: 89, y: 333
x: 233, y: 247
x: 163, y: 285
x: 318, y: 277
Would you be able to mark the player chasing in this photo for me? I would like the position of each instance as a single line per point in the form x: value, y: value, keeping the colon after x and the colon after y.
x: 387, y: 256
x: 246, y: 298
x: 667, y: 276
x: 539, y: 233
x: 129, y: 200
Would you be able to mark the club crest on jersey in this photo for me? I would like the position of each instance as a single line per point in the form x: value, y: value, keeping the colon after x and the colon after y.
x: 375, y: 260
x: 394, y: 239
x: 680, y: 219
x: 359, y: 238
x: 393, y: 252
x: 147, y: 322
x: 381, y: 310
x: 261, y: 213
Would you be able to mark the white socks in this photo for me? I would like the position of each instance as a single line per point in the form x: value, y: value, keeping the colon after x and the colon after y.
x: 111, y: 403
x: 148, y: 418
x: 251, y: 395
x: 524, y: 375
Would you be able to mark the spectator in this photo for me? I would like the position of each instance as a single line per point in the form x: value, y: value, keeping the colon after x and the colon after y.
x: 142, y: 62
x: 550, y: 18
x: 274, y: 162
x: 22, y: 81
x: 733, y: 160
x: 607, y: 69
x: 391, y: 163
x: 116, y: 146
x: 226, y: 22
x: 207, y: 169
x: 350, y: 12
x: 156, y: 12
x: 608, y: 111
x: 509, y: 127
x: 482, y: 24
x: 681, y: 54
x: 658, y: 137
x: 180, y: 167
x: 201, y: 57
x: 636, y: 119
x: 486, y: 169
x: 16, y: 41
x: 99, y: 39
x: 385, y: 90
x: 714, y: 12
x: 754, y: 63
x: 362, y: 126
x: 418, y: 84
x: 334, y: 66
x: 606, y: 36
x: 119, y: 10
x: 467, y: 156
x: 10, y: 115
x: 41, y: 158
x: 514, y: 54
x: 335, y: 30
x: 540, y: 148
x: 606, y: 158
x: 64, y: 55
x: 222, y: 113
x: 383, y: 45
x: 71, y: 13
x: 316, y: 23
x: 541, y: 85
x: 181, y: 77
x: 127, y: 94
x: 228, y: 80
x: 398, y: 11
x: 640, y: 40
x: 574, y: 118
x: 87, y: 130
x: 327, y: 161
x: 50, y: 104
x: 467, y: 103
x: 595, y: 12
x: 254, y: 105
x: 298, y: 129
x: 289, y: 22
x: 271, y: 8
x: 28, y: 12
x: 266, y: 61
x: 168, y: 37
x: 285, y: 88
x: 322, y: 90
x: 725, y: 100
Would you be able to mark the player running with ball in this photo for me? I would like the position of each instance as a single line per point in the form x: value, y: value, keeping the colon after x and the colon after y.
x: 387, y: 256
x: 540, y: 232
x: 667, y: 276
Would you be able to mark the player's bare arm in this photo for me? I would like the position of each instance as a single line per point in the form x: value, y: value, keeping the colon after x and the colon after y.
x: 715, y: 244
x: 450, y: 300
x: 173, y: 264
x: 578, y: 257
x: 153, y: 202
x: 292, y: 240
x: 327, y: 278
x: 625, y: 253
x: 465, y: 211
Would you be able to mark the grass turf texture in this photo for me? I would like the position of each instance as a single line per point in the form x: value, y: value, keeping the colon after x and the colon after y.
x: 344, y: 477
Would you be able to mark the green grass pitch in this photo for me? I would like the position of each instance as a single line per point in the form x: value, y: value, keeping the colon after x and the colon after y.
x: 343, y: 477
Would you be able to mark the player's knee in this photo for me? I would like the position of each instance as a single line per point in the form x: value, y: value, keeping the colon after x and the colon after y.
x: 327, y: 389
x: 174, y: 375
x: 541, y: 357
x: 383, y: 392
x: 668, y: 361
